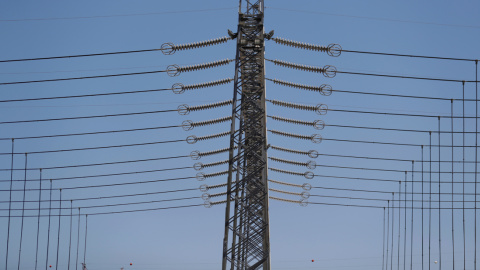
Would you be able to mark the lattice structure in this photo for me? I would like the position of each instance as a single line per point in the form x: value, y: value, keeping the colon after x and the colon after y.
x: 246, y: 241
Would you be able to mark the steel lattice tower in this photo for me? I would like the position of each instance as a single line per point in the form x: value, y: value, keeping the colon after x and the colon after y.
x: 246, y: 240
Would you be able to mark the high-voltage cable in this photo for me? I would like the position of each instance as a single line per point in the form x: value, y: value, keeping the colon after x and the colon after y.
x: 323, y: 89
x: 180, y: 88
x: 189, y: 125
x: 320, y: 109
x: 185, y: 109
x: 315, y: 138
x: 175, y: 70
x: 170, y: 48
x: 332, y: 49
x: 309, y: 164
x: 327, y: 71
x: 317, y: 124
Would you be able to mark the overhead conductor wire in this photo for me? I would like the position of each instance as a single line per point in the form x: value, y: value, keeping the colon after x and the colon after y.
x: 23, y: 212
x: 411, y: 226
x: 49, y: 221
x: 383, y: 241
x: 463, y: 175
x: 78, y: 238
x: 59, y: 227
x: 9, y: 206
x: 476, y: 157
x: 439, y: 199
x: 430, y: 205
x: 38, y: 219
x: 393, y: 228
x: 70, y: 240
x: 453, y: 226
x: 388, y: 232
x: 423, y: 204
x: 399, y: 221
x: 405, y: 225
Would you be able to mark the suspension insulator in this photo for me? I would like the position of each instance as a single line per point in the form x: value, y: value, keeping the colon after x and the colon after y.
x: 170, y: 48
x: 317, y: 124
x: 175, y: 70
x: 311, y: 153
x: 320, y: 109
x: 305, y: 186
x: 196, y: 155
x: 200, y: 166
x: 185, y: 109
x: 202, y: 176
x: 307, y: 174
x: 302, y: 202
x: 327, y: 71
x: 189, y: 125
x: 315, y: 138
x: 332, y: 49
x: 218, y: 194
x: 179, y: 88
x: 309, y: 164
x: 193, y: 139
x: 323, y: 89
x: 205, y: 188
x: 303, y: 194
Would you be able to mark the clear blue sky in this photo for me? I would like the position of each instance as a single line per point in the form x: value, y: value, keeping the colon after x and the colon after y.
x: 191, y: 238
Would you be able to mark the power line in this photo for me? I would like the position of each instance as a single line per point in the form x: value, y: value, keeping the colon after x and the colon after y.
x: 95, y: 148
x: 403, y: 77
x: 87, y: 77
x: 410, y: 55
x: 85, y: 117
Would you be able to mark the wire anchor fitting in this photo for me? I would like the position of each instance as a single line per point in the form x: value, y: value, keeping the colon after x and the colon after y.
x: 315, y: 138
x: 309, y: 164
x: 305, y: 186
x: 200, y: 166
x: 320, y: 109
x: 303, y: 202
x: 185, y: 109
x: 189, y: 125
x: 193, y: 139
x: 323, y: 89
x: 333, y: 49
x: 196, y: 155
x: 180, y: 88
x: 317, y: 124
x: 170, y: 48
x: 311, y: 153
x: 327, y: 71
x: 175, y: 70
x: 307, y: 174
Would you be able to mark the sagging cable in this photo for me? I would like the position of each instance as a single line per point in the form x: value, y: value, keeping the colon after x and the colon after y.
x: 317, y: 124
x: 200, y: 166
x: 323, y: 89
x: 302, y: 202
x: 315, y: 138
x: 175, y: 70
x: 320, y: 109
x: 205, y: 188
x: 327, y: 71
x: 202, y: 176
x: 332, y: 49
x: 196, y: 155
x: 189, y: 125
x: 305, y: 186
x: 180, y: 88
x: 310, y: 153
x: 303, y: 194
x: 193, y: 139
x: 170, y: 48
x: 185, y: 109
x: 309, y: 164
x: 307, y: 174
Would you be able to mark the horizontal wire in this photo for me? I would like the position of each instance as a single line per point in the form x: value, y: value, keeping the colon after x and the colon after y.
x: 87, y: 133
x: 411, y: 55
x: 388, y: 170
x: 87, y: 95
x: 106, y: 185
x: 397, y: 129
x: 391, y: 192
x: 401, y: 114
x: 86, y: 77
x: 85, y: 117
x: 111, y: 212
x: 93, y: 148
x: 367, y: 199
x: 104, y: 205
x: 95, y: 176
x: 94, y: 164
x: 404, y: 77
x: 108, y: 197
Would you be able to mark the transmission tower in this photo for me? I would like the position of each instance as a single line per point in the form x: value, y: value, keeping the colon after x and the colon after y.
x: 246, y: 243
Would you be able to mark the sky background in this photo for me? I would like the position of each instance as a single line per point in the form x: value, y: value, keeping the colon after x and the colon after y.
x: 191, y: 238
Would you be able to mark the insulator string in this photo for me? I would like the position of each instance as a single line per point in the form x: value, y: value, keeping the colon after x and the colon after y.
x: 320, y: 109
x: 185, y: 109
x: 189, y: 125
x: 317, y: 124
x: 311, y: 153
x: 323, y: 89
x: 315, y: 138
x: 309, y: 164
x: 327, y: 71
x: 170, y: 48
x: 175, y: 70
x: 179, y: 88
